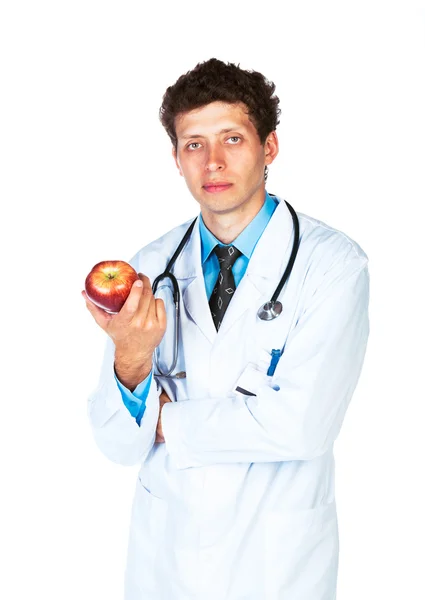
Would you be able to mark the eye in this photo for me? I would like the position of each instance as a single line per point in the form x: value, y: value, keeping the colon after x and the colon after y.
x: 192, y: 144
x: 234, y: 137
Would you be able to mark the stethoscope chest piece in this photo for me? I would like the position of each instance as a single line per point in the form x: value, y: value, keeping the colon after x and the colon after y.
x: 270, y: 311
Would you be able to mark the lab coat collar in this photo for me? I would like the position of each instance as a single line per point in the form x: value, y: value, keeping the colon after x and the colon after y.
x: 247, y: 239
x: 265, y: 261
x: 265, y: 268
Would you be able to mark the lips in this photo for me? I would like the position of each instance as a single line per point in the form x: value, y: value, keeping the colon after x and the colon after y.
x: 216, y: 187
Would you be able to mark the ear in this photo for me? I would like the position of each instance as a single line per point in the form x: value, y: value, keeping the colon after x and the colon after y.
x: 174, y: 153
x: 271, y: 148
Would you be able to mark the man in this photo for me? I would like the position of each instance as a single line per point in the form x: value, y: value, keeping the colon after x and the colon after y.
x: 235, y: 494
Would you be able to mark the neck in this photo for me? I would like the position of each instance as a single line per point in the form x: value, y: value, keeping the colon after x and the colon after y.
x: 226, y: 226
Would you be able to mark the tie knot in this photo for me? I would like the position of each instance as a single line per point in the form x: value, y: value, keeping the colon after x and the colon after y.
x: 226, y: 256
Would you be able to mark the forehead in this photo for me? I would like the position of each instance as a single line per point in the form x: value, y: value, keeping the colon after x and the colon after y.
x: 212, y: 118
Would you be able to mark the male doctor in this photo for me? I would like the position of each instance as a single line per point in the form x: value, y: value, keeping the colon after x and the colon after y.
x: 235, y: 494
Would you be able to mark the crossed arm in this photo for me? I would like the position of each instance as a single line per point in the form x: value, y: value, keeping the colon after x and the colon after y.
x: 316, y: 377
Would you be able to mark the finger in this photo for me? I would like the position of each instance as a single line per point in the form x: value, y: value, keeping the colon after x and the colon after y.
x: 147, y: 287
x: 151, y: 317
x: 163, y: 399
x: 159, y: 434
x: 146, y: 309
x: 161, y: 313
x: 101, y: 317
x: 131, y: 305
x: 163, y: 395
x: 158, y: 427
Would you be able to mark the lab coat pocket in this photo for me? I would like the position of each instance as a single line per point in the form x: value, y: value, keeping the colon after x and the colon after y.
x: 250, y: 380
x: 263, y: 360
x: 255, y: 375
x: 301, y: 553
x: 149, y: 515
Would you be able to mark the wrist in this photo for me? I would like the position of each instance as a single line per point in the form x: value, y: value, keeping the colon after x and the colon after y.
x: 132, y: 370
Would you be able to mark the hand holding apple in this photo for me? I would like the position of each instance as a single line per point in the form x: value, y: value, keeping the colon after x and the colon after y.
x: 136, y: 330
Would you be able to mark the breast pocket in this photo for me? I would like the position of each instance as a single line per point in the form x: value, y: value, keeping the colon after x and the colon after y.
x: 251, y: 378
x: 264, y: 359
x: 268, y: 336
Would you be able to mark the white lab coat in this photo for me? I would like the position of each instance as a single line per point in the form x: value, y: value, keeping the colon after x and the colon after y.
x: 238, y: 503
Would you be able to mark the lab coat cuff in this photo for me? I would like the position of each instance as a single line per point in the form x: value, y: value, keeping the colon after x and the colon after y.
x: 116, y: 432
x: 135, y: 401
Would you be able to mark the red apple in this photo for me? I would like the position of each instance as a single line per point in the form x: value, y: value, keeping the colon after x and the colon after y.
x: 109, y: 283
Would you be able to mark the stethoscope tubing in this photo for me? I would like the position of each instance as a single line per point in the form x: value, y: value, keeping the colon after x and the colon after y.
x: 294, y: 252
x: 272, y: 308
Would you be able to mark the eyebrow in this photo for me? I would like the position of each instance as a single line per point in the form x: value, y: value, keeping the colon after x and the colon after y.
x: 197, y: 135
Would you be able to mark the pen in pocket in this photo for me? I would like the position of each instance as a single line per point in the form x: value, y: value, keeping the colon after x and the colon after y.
x: 276, y: 354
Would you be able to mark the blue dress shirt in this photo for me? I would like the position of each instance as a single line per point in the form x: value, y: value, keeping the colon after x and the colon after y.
x: 245, y: 242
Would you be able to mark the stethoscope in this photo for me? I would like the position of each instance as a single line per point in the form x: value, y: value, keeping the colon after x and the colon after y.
x: 269, y: 311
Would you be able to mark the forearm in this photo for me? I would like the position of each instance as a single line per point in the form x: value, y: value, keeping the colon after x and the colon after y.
x: 300, y: 417
x: 131, y: 368
x: 115, y: 430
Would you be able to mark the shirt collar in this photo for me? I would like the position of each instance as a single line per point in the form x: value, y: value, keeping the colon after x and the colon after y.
x: 247, y: 239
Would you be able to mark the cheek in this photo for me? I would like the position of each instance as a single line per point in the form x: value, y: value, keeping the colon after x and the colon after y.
x: 250, y: 164
x: 248, y: 157
x: 191, y: 168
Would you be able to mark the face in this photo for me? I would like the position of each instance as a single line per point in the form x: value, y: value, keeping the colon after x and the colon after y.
x: 221, y: 158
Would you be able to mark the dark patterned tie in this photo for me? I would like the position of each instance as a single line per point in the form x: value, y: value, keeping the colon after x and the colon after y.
x: 225, y: 285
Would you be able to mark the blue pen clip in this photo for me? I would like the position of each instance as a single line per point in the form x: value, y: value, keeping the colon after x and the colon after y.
x: 276, y: 354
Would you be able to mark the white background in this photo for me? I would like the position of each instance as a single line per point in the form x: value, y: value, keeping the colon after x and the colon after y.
x: 87, y: 175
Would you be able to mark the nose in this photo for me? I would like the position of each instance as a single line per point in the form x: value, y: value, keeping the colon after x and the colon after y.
x: 215, y: 159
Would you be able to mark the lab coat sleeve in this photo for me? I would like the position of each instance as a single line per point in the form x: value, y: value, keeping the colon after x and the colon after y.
x: 115, y: 430
x: 298, y: 414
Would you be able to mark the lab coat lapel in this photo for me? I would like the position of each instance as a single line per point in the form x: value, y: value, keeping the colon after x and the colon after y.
x: 265, y: 268
x: 194, y: 297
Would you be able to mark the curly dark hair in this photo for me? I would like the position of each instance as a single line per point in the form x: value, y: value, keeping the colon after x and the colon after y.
x: 214, y: 80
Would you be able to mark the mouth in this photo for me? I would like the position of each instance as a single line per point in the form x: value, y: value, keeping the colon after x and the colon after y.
x: 214, y: 188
